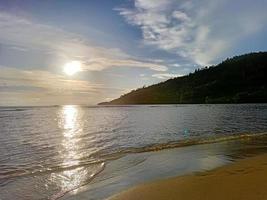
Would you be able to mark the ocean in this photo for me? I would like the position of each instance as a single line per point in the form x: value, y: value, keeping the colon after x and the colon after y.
x: 92, y: 152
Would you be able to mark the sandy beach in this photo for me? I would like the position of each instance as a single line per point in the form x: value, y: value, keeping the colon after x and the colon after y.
x: 245, y: 179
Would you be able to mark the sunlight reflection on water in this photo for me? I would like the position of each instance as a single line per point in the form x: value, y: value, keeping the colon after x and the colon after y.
x: 71, y: 127
x: 76, y: 172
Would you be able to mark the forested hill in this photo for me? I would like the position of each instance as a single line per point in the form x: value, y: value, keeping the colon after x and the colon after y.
x: 241, y: 79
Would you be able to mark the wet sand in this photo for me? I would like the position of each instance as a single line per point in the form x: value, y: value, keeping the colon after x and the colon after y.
x: 245, y: 179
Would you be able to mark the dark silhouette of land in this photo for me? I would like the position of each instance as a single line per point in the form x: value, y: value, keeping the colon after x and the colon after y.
x: 241, y: 79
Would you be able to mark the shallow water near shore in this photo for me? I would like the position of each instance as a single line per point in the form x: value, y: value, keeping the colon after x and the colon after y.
x: 78, y: 152
x: 140, y: 168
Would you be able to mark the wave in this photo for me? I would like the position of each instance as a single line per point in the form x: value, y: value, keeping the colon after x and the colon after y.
x: 92, y: 176
x: 182, y: 143
x: 106, y: 155
x: 100, y: 166
x: 55, y: 169
x: 103, y: 157
x: 12, y: 109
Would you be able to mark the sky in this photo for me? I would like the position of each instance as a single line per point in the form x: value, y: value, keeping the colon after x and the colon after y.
x: 119, y: 45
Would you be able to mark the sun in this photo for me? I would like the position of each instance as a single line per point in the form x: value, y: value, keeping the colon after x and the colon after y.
x: 72, y: 67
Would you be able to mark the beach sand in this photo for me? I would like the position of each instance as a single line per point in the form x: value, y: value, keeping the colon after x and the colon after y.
x: 245, y: 179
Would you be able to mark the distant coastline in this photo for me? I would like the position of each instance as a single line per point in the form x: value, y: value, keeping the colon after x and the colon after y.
x: 241, y: 79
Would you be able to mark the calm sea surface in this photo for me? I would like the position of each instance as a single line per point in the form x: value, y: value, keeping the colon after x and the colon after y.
x: 47, y: 152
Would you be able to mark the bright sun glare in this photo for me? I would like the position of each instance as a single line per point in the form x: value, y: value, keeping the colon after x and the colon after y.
x: 72, y: 67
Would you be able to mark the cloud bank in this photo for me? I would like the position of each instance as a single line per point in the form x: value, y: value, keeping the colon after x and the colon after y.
x: 200, y: 31
x: 38, y: 86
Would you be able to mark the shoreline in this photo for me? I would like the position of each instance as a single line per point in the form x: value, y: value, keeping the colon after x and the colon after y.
x: 244, y: 179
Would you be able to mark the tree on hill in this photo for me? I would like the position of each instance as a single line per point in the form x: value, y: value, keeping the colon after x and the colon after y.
x: 241, y: 79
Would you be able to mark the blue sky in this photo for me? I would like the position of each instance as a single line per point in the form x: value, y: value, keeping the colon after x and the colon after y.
x: 120, y: 44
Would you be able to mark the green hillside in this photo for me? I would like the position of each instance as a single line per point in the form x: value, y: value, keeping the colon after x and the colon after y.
x: 241, y: 79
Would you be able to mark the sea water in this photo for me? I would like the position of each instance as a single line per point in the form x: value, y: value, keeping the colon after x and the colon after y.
x: 91, y: 152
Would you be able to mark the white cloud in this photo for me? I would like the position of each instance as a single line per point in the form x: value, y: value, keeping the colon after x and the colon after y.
x: 180, y: 16
x: 166, y: 75
x: 98, y: 64
x: 150, y: 4
x: 26, y: 34
x: 201, y: 31
x: 176, y: 65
